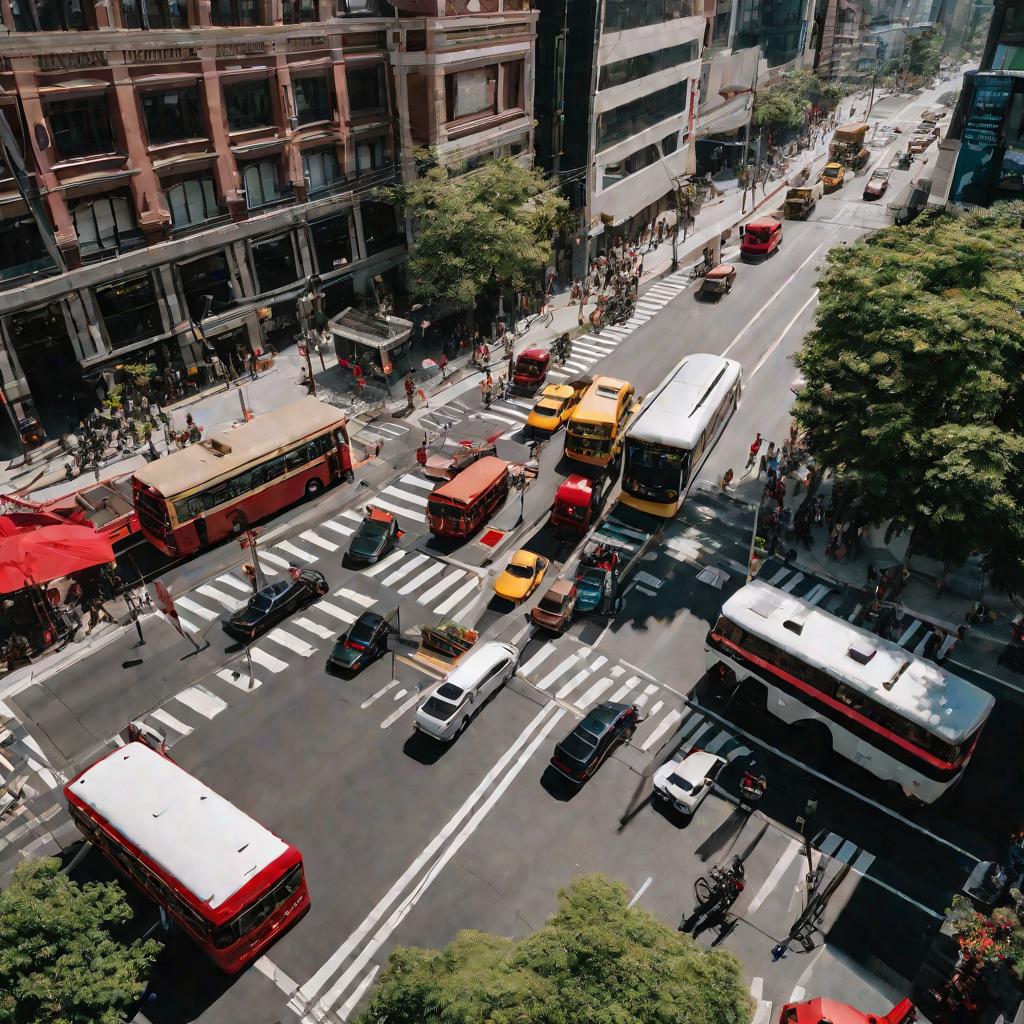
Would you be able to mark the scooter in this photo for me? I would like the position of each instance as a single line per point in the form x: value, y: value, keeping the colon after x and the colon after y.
x: 752, y: 789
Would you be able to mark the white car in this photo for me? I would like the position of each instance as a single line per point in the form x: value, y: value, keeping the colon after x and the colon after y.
x: 447, y: 711
x: 684, y: 784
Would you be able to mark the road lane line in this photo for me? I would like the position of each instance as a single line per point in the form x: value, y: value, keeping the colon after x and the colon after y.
x: 380, y: 693
x: 401, y: 710
x: 207, y: 704
x: 353, y: 1000
x: 580, y: 676
x: 643, y: 888
x: 785, y: 330
x: 570, y: 662
x: 270, y: 970
x: 775, y: 875
x: 594, y: 692
x: 166, y: 718
x: 667, y: 723
x: 315, y: 984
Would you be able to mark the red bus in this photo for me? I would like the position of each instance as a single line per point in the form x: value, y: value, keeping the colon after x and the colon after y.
x: 231, y: 884
x: 461, y: 506
x: 188, y: 500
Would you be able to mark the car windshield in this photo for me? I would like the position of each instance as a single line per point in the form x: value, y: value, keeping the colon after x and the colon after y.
x: 548, y: 603
x: 522, y: 572
x: 593, y: 577
x: 450, y: 692
x: 441, y: 710
x: 679, y: 782
x: 361, y: 633
x: 261, y: 603
x: 547, y: 407
x: 577, y: 745
x: 372, y: 530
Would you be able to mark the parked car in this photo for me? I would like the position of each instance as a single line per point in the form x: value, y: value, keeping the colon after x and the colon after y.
x: 465, y: 690
x: 365, y: 641
x: 877, y: 184
x: 376, y: 537
x: 683, y: 784
x: 581, y: 753
x: 598, y: 587
x: 554, y: 610
x: 832, y: 176
x: 521, y: 577
x: 274, y: 603
x: 554, y: 406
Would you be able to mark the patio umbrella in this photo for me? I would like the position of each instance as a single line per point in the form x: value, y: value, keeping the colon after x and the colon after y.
x: 36, y: 556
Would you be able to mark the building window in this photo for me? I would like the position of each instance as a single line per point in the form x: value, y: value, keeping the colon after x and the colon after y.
x: 312, y: 99
x: 249, y: 105
x: 320, y: 167
x: 130, y: 310
x: 154, y: 13
x: 366, y: 88
x: 622, y: 14
x: 262, y: 184
x: 471, y: 93
x: 106, y: 222
x: 670, y: 143
x: 210, y: 276
x: 514, y: 85
x: 624, y: 168
x: 380, y: 227
x: 21, y: 248
x: 235, y: 12
x: 631, y: 118
x: 81, y: 127
x: 274, y: 262
x: 173, y: 115
x: 371, y: 155
x: 296, y: 11
x: 193, y: 201
x: 621, y: 71
x: 332, y: 244
x: 52, y: 15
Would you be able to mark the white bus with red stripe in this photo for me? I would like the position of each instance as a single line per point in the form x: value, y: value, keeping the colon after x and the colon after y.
x: 899, y: 717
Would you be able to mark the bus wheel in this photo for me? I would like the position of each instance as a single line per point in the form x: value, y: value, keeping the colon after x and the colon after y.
x: 313, y: 487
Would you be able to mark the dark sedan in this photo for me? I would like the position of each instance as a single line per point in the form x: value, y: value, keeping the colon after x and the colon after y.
x: 366, y: 640
x: 377, y: 535
x: 275, y: 603
x: 580, y: 754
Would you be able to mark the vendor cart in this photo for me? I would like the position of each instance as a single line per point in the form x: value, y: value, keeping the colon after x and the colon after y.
x: 439, y: 464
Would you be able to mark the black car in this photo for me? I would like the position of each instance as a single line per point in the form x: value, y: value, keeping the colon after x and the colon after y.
x: 366, y: 640
x: 378, y: 534
x: 580, y: 754
x: 276, y: 602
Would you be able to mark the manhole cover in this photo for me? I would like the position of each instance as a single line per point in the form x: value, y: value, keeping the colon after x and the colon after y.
x: 490, y: 538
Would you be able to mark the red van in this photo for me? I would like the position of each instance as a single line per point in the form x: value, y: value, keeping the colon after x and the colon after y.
x: 761, y: 237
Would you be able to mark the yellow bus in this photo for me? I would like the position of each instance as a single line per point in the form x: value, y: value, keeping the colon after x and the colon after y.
x: 595, y: 429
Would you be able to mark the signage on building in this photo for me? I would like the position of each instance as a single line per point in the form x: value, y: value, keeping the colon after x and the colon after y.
x: 984, y: 124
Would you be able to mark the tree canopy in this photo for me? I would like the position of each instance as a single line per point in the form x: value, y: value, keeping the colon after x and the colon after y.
x: 595, y: 960
x: 784, y: 105
x: 914, y: 391
x: 59, y: 963
x: 478, y: 232
x: 923, y: 53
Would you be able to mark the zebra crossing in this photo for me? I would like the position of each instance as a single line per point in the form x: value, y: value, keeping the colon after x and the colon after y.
x: 374, y: 433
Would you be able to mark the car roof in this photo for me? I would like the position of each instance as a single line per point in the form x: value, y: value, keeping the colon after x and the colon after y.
x: 557, y: 391
x: 479, y: 661
x: 369, y: 619
x: 603, y: 715
x: 579, y: 489
x: 524, y: 557
x: 534, y: 353
x: 561, y: 588
x: 696, y: 765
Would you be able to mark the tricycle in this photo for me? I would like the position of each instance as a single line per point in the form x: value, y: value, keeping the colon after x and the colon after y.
x: 717, y: 282
x: 446, y: 465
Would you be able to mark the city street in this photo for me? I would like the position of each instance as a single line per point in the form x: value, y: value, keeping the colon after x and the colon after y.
x: 407, y: 842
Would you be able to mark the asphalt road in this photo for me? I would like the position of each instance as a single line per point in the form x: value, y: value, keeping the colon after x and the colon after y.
x: 407, y: 842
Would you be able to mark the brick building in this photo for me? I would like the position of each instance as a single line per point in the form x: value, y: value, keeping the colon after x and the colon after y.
x: 199, y: 160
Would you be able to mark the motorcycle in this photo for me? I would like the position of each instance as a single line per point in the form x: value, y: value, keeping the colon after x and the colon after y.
x: 753, y: 788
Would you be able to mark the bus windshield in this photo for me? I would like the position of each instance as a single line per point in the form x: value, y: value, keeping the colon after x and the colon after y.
x: 655, y: 471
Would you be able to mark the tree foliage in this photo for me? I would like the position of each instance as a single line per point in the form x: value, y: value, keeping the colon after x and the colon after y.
x: 784, y: 106
x: 596, y: 960
x: 479, y: 232
x: 923, y: 53
x: 915, y: 392
x: 59, y: 964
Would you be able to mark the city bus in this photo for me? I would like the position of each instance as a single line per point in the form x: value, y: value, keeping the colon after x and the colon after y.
x: 231, y: 884
x: 676, y: 430
x: 903, y: 719
x: 460, y: 507
x: 192, y: 498
x: 594, y: 431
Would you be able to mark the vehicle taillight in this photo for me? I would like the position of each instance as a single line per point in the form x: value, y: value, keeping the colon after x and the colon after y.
x: 354, y: 645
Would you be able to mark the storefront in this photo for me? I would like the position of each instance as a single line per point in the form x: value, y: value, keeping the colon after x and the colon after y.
x: 379, y: 345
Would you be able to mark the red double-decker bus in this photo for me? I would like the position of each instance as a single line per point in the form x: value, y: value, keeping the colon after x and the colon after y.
x: 190, y: 500
x: 231, y: 884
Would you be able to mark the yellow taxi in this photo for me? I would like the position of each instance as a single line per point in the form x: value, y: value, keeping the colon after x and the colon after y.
x: 521, y: 577
x: 832, y: 176
x: 553, y: 407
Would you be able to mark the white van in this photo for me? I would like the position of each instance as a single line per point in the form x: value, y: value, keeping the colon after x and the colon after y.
x: 447, y: 711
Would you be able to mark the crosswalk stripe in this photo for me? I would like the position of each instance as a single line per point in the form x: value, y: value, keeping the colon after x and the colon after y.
x: 238, y: 679
x: 569, y: 663
x: 292, y: 642
x: 418, y: 481
x: 559, y: 376
x: 451, y: 602
x: 399, y: 510
x: 313, y: 627
x: 667, y: 723
x: 428, y: 574
x: 318, y: 541
x: 579, y: 365
x: 233, y: 581
x: 405, y: 569
x: 363, y: 600
x: 197, y: 609
x: 595, y: 691
x: 392, y: 429
x: 655, y: 708
x: 345, y: 531
x: 267, y: 661
x: 541, y: 656
x: 520, y: 416
x: 580, y: 676
x: 338, y: 613
x: 351, y: 513
x: 649, y: 691
x: 846, y: 851
x: 385, y: 563
x: 201, y: 700
x: 185, y: 624
x: 775, y: 875
x: 499, y: 419
x: 269, y: 556
x: 413, y: 499
x: 590, y: 350
x: 229, y: 602
x: 439, y: 588
x: 287, y: 545
x: 166, y: 718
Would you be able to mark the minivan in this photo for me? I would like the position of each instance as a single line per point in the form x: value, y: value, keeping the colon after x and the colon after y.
x: 761, y: 237
x: 447, y: 711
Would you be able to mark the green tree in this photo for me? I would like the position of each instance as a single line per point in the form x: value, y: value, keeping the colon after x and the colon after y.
x: 595, y: 960
x: 59, y: 963
x: 479, y: 232
x: 784, y: 105
x: 914, y: 392
x: 923, y: 53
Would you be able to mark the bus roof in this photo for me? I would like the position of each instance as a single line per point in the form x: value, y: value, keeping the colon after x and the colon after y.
x: 207, y: 844
x: 601, y: 400
x: 917, y: 690
x: 672, y: 414
x: 236, y: 447
x: 472, y: 481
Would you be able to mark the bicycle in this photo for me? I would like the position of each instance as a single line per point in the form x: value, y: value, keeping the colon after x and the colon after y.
x: 528, y: 322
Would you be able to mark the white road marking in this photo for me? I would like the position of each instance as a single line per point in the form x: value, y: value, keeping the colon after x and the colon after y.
x: 267, y: 661
x: 385, y: 563
x: 399, y: 510
x: 197, y: 609
x: 229, y: 602
x: 595, y: 691
x: 184, y: 623
x: 418, y: 481
x: 396, y: 715
x: 166, y: 718
x: 488, y: 415
x: 287, y: 545
x: 583, y: 673
x: 756, y: 988
x: 269, y: 556
x: 439, y: 588
x: 353, y: 1000
x: 570, y: 662
x: 363, y: 600
x: 763, y: 1013
x: 209, y: 705
x: 315, y: 628
x: 413, y: 499
x: 292, y: 642
x: 643, y: 888
x: 338, y: 613
x: 345, y: 531
x: 649, y: 691
x: 318, y: 541
x: 233, y: 581
x: 380, y: 693
x: 445, y: 606
x: 775, y: 875
x: 428, y: 574
x: 351, y: 513
x: 797, y: 995
x: 624, y: 689
x: 399, y: 695
x: 664, y: 726
x: 238, y: 679
x: 270, y: 970
x: 541, y: 656
x: 655, y: 709
x: 785, y: 330
x: 403, y: 570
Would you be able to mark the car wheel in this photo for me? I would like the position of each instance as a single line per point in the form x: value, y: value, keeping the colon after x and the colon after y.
x: 462, y: 727
x: 314, y: 487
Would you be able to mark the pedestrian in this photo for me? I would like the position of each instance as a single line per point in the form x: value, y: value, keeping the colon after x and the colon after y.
x: 97, y: 613
x: 294, y: 572
x: 755, y: 447
x: 250, y: 574
x: 253, y: 364
x: 410, y: 391
x: 727, y: 479
x: 153, y: 453
x: 485, y: 355
x: 488, y: 390
x: 443, y: 363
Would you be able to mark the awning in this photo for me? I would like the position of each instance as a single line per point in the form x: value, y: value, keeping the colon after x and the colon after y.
x: 35, y: 556
x: 382, y: 333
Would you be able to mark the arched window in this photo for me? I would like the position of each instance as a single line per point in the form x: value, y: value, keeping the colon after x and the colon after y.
x: 107, y: 222
x: 192, y: 202
x: 262, y: 184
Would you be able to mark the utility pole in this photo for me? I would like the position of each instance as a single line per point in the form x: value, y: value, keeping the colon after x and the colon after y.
x: 308, y: 307
x: 874, y: 78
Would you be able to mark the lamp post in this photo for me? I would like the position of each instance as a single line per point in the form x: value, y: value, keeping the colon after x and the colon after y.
x: 307, y: 307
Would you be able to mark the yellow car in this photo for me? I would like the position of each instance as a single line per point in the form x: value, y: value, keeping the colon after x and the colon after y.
x: 553, y: 408
x: 521, y: 577
x: 832, y: 176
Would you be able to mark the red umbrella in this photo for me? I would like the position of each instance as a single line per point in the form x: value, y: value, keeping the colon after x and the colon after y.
x: 36, y: 556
